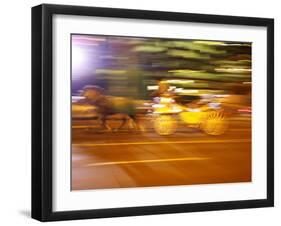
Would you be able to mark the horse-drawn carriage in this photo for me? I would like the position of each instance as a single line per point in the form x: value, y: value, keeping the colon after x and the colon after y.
x: 164, y: 114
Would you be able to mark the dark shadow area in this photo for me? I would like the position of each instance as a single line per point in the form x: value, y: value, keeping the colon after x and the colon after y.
x: 25, y: 213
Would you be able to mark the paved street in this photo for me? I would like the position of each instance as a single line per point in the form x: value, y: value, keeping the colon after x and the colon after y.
x: 136, y: 159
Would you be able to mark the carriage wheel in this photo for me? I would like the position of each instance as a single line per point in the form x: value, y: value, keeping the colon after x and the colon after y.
x: 215, y: 123
x: 165, y: 124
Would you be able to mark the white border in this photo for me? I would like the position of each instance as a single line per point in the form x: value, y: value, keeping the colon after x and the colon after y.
x: 64, y: 199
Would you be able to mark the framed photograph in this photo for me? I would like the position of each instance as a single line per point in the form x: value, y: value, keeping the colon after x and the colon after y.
x: 145, y: 112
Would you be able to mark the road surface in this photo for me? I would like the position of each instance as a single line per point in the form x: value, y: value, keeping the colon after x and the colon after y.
x: 102, y: 159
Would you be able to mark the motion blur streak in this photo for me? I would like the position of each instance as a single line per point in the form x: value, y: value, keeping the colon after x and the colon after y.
x: 159, y: 112
x: 145, y: 161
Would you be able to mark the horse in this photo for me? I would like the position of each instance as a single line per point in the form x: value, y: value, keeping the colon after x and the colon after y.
x: 109, y: 107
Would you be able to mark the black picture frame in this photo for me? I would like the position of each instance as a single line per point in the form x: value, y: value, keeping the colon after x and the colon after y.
x: 42, y: 107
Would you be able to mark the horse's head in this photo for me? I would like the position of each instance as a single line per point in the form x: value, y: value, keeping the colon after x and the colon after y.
x: 92, y: 93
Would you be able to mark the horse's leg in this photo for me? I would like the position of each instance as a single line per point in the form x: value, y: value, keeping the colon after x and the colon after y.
x: 104, y: 124
x: 133, y: 123
x: 137, y: 124
x: 128, y: 120
x: 124, y: 121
